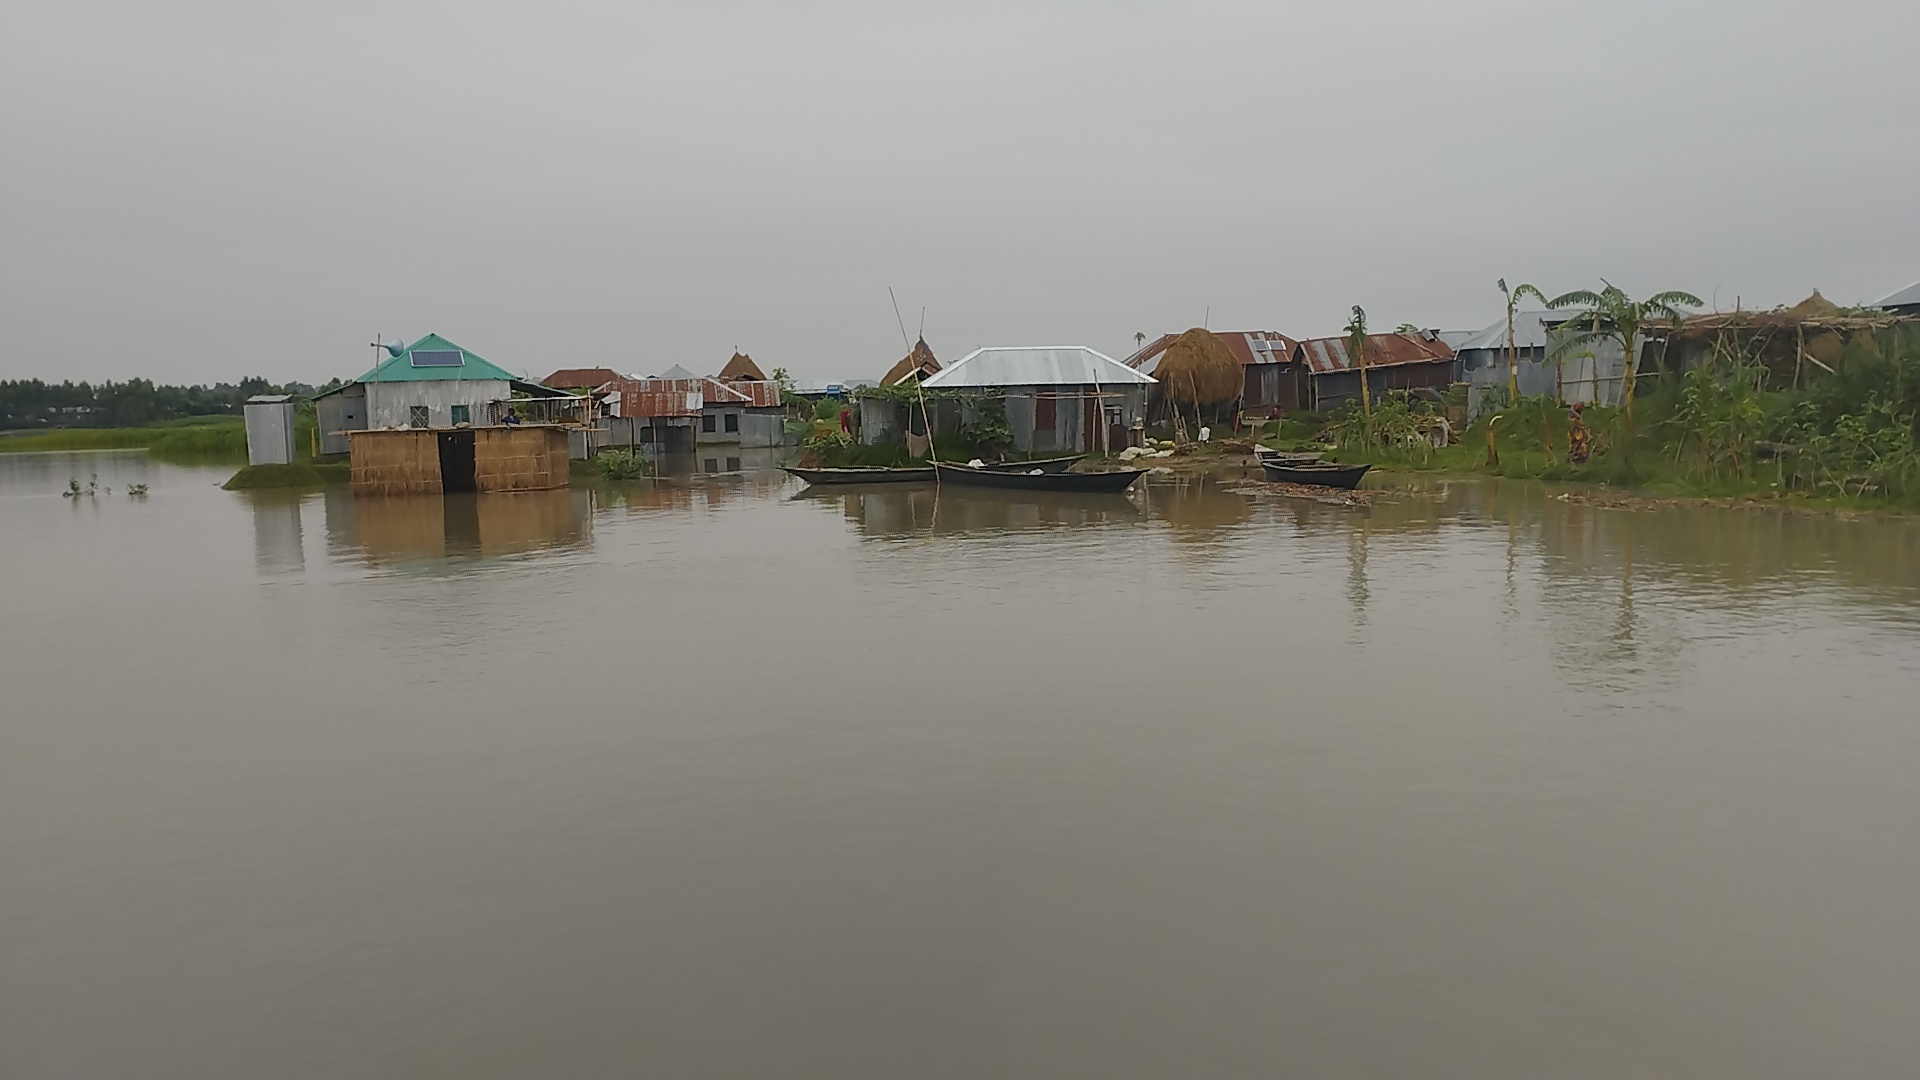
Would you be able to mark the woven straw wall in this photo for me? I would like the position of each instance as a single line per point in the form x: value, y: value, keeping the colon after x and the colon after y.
x: 520, y: 458
x: 394, y: 462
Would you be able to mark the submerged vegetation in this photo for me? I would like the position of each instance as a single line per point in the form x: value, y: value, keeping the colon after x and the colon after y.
x: 300, y: 475
x: 621, y: 465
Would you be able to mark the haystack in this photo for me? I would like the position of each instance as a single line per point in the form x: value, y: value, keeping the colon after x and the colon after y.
x: 1815, y: 307
x: 742, y: 368
x: 917, y: 365
x: 1198, y: 369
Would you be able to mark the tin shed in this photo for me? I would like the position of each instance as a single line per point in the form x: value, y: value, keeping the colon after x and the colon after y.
x: 269, y: 429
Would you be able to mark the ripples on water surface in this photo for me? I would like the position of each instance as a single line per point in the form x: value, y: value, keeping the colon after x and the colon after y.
x: 714, y: 780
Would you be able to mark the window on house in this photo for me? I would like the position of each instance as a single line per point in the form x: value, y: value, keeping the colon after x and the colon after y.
x: 733, y: 464
x: 417, y: 416
x: 460, y: 415
x: 733, y: 422
x: 706, y: 422
x: 1043, y: 413
x: 711, y: 465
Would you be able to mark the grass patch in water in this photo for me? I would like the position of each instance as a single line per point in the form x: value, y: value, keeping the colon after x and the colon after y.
x: 303, y: 476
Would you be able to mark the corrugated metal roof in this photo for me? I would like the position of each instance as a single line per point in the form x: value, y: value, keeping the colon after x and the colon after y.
x: 1327, y: 355
x: 1036, y: 365
x: 1908, y: 295
x: 660, y: 397
x: 1530, y: 329
x: 472, y: 366
x: 748, y: 393
x: 1247, y: 346
x: 588, y: 377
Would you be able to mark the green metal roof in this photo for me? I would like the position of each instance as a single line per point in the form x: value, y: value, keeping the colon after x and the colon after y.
x: 401, y: 368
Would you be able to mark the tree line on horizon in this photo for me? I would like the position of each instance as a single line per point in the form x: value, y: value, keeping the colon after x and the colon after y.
x: 37, y: 404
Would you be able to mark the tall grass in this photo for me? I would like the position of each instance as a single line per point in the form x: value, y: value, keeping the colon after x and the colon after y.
x: 216, y: 439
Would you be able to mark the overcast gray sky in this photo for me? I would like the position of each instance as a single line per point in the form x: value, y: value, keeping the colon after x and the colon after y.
x: 201, y: 191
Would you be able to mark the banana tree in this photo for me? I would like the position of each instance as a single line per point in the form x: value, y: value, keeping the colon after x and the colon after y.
x: 1513, y: 353
x: 1357, y: 352
x: 1610, y: 315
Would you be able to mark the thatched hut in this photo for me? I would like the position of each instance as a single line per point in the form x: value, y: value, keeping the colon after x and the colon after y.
x: 1792, y: 342
x: 1197, y: 374
x: 741, y: 369
x: 917, y: 366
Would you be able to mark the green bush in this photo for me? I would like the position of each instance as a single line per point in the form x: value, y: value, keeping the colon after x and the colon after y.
x: 621, y: 465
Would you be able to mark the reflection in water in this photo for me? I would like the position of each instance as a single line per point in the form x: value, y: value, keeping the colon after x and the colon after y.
x: 1041, y: 787
x: 414, y: 527
x: 892, y: 511
x: 276, y: 532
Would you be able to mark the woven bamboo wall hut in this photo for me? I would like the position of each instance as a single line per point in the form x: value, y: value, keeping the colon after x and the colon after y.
x: 520, y: 458
x: 427, y: 461
x: 405, y: 462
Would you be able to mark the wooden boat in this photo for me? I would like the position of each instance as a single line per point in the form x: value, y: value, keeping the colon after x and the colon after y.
x: 870, y: 475
x: 1045, y: 465
x: 1316, y: 473
x: 1043, y: 481
x: 1286, y: 457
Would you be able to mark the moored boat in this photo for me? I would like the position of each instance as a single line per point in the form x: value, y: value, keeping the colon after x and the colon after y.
x: 1045, y: 465
x: 1286, y: 457
x: 871, y: 475
x: 1116, y: 481
x: 1316, y: 473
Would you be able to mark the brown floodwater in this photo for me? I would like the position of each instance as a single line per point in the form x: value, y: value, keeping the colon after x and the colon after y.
x: 718, y: 779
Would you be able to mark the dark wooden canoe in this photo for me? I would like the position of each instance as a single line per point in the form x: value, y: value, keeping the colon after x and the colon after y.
x: 1046, y: 481
x: 1286, y: 457
x: 1317, y: 473
x: 1045, y: 465
x: 874, y: 475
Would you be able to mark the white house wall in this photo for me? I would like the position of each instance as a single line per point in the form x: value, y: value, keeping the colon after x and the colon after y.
x: 388, y: 403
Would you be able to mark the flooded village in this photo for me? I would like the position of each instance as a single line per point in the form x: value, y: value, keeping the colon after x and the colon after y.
x: 1809, y: 404
x: 942, y: 542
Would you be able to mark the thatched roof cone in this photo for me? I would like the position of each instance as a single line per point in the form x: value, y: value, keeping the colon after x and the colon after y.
x: 1814, y: 307
x: 1198, y: 369
x: 742, y: 367
x: 917, y: 364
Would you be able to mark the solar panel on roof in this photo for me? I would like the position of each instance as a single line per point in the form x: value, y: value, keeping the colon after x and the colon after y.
x: 437, y: 358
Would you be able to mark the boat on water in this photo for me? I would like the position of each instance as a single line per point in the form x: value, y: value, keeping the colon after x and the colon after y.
x: 1286, y: 457
x: 1045, y: 465
x: 1316, y: 473
x: 869, y: 475
x: 967, y: 475
x: 877, y: 474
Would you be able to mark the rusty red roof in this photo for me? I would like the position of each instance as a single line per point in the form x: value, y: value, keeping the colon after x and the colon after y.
x: 660, y: 397
x: 1329, y: 354
x: 579, y: 378
x: 747, y: 393
x: 1247, y: 346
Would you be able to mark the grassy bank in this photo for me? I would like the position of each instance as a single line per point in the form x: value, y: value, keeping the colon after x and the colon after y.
x: 1652, y: 474
x: 214, y: 439
x: 223, y: 440
x: 306, y: 476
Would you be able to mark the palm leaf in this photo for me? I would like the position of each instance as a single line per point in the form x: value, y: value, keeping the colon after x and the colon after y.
x: 1583, y: 297
x: 1574, y: 340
